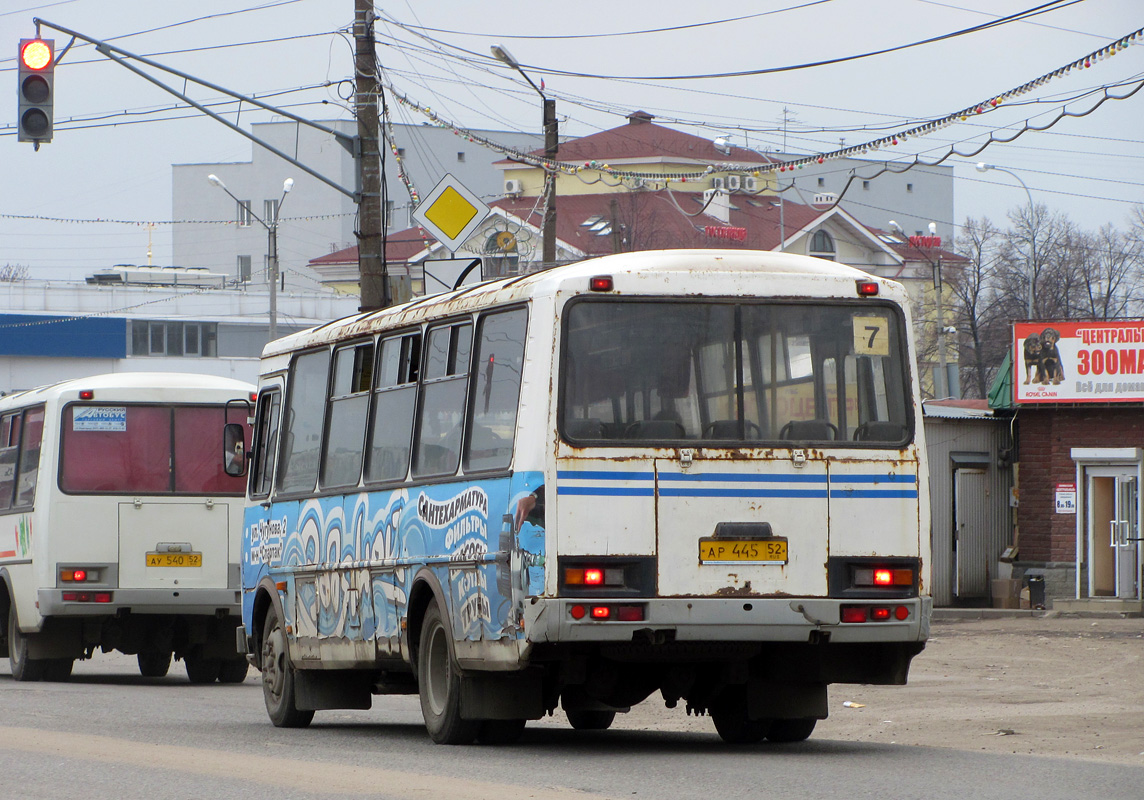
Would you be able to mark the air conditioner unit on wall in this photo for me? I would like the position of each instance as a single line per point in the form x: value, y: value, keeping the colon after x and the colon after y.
x: 750, y: 183
x: 718, y: 183
x: 512, y: 187
x: 733, y: 183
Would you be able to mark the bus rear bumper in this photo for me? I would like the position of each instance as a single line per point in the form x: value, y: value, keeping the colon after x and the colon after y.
x: 113, y: 601
x: 740, y: 619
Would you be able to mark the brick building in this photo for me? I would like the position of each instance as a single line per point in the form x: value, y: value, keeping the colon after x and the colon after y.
x: 1080, y: 454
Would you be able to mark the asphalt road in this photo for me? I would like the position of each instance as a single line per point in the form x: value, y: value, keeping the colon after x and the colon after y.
x: 108, y: 733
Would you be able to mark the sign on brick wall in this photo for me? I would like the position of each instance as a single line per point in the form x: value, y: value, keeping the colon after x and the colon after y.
x: 1078, y: 362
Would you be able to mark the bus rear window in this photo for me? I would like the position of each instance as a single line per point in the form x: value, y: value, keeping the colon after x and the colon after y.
x: 726, y: 373
x: 140, y: 449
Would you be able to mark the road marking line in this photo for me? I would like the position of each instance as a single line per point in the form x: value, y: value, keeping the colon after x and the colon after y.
x: 310, y: 776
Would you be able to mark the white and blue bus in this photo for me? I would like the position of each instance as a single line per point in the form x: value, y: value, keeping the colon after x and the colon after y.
x: 119, y: 527
x: 697, y: 473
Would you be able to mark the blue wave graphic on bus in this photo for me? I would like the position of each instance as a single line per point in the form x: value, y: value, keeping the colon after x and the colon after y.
x: 348, y: 560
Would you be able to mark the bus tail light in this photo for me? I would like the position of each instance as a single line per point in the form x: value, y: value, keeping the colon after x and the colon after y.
x: 601, y: 283
x: 79, y: 575
x: 87, y: 597
x: 608, y: 612
x: 867, y: 288
x: 608, y: 576
x: 856, y: 614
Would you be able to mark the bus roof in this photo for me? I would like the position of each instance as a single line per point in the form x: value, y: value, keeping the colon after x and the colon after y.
x: 180, y: 381
x: 704, y: 265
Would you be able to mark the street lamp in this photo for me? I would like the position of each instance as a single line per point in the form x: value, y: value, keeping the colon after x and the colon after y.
x: 272, y: 255
x: 1031, y: 260
x: 941, y: 385
x: 551, y: 144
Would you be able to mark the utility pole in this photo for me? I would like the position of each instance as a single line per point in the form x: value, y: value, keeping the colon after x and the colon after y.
x: 551, y: 145
x: 374, y: 279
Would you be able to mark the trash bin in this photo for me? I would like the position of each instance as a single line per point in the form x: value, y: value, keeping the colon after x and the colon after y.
x: 1036, y: 591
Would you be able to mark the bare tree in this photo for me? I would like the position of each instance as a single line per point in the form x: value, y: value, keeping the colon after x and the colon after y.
x: 979, y: 316
x: 11, y: 273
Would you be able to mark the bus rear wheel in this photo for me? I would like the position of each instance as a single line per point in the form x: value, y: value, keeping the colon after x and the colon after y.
x: 590, y: 720
x: 278, y: 677
x: 23, y: 667
x: 732, y: 722
x: 233, y: 670
x: 58, y: 670
x: 202, y: 670
x: 153, y: 664
x: 439, y: 682
x: 791, y: 730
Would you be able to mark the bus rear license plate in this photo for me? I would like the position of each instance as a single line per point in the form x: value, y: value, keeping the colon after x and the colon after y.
x: 174, y: 559
x: 735, y: 551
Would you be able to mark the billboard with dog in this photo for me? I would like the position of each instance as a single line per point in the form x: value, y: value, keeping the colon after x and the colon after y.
x: 1078, y: 362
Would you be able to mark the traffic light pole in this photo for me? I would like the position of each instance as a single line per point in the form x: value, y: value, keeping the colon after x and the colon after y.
x: 364, y: 147
x: 119, y: 56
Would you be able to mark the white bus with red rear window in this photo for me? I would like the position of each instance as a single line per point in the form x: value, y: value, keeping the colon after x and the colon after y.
x: 693, y: 473
x: 119, y: 527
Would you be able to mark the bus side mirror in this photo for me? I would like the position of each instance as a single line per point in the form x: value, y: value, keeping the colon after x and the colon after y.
x: 234, y: 449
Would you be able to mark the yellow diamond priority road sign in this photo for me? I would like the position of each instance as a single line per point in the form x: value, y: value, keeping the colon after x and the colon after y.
x: 451, y: 212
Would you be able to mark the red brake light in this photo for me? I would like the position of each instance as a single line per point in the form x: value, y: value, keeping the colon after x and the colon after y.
x: 86, y: 394
x: 867, y: 288
x: 601, y: 612
x: 883, y: 577
x: 79, y: 575
x: 601, y: 283
x: 36, y: 54
x: 594, y: 577
x: 879, y: 614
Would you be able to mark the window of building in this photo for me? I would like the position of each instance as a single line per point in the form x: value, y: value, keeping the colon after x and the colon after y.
x: 162, y: 338
x: 822, y: 245
x: 909, y: 187
x: 821, y: 182
x: 460, y: 158
x: 390, y: 207
x: 401, y: 152
x: 244, y: 216
x: 866, y: 185
x: 244, y: 268
x: 269, y: 211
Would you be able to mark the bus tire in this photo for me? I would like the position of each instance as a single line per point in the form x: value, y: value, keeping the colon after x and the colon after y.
x: 791, y: 730
x: 58, y: 670
x: 153, y: 664
x: 278, y: 677
x: 439, y: 682
x: 233, y: 670
x: 202, y: 670
x: 733, y: 725
x: 23, y: 667
x: 590, y: 720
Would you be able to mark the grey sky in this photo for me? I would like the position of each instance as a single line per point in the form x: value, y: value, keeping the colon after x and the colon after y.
x: 1090, y: 168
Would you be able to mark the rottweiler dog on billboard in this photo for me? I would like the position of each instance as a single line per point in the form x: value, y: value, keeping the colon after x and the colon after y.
x: 1033, y: 372
x: 1052, y: 370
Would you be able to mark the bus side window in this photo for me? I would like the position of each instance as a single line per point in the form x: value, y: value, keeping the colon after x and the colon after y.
x: 349, y: 400
x: 265, y: 444
x: 391, y: 426
x: 29, y: 456
x: 496, y: 390
x: 9, y: 450
x: 443, y: 389
x: 302, y: 430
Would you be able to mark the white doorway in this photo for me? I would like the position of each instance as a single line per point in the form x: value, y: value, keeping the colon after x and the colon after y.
x: 1112, y: 522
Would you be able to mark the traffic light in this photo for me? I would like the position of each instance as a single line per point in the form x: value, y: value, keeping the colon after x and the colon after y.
x: 36, y: 90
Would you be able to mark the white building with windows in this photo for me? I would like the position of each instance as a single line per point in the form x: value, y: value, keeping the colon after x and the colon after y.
x: 223, y: 236
x: 177, y: 321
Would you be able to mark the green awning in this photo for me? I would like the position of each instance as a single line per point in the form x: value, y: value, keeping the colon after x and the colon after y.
x: 1001, y: 392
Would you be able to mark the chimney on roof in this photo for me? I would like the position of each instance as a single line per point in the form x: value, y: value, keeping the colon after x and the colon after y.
x: 639, y: 118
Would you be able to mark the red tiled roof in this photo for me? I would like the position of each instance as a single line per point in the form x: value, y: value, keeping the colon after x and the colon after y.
x: 400, y: 246
x: 643, y: 139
